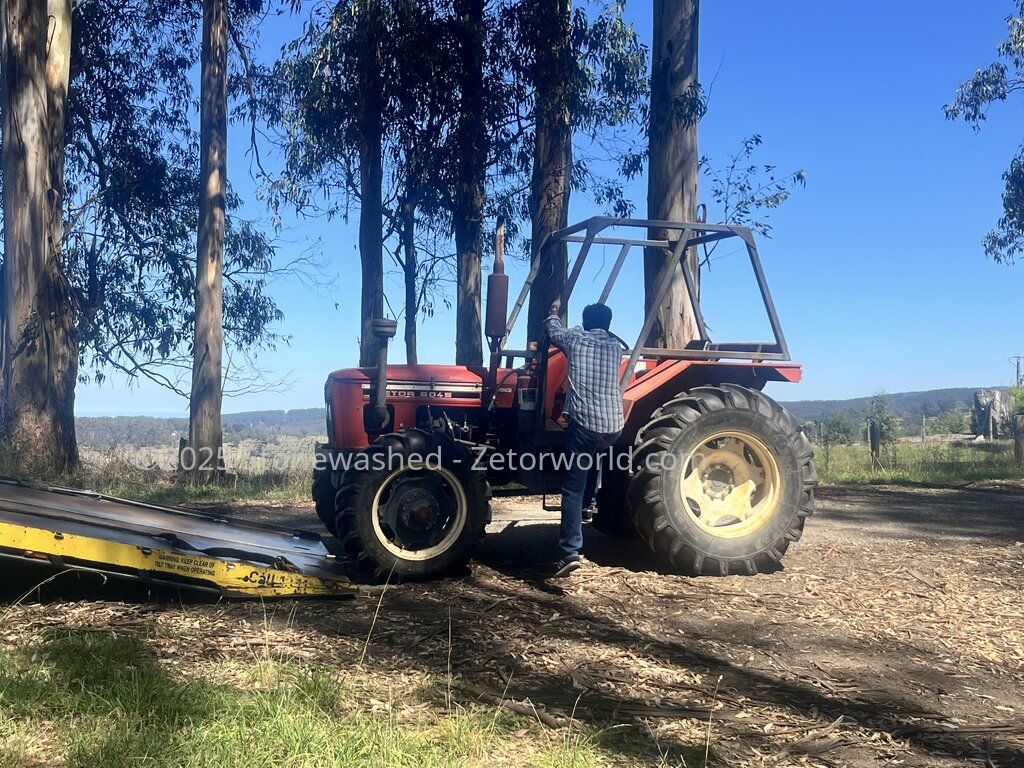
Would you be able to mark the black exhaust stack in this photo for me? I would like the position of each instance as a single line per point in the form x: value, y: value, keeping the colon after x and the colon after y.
x: 376, y: 417
x: 497, y: 293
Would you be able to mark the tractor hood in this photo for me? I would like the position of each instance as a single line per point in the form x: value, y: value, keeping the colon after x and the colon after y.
x: 414, y: 374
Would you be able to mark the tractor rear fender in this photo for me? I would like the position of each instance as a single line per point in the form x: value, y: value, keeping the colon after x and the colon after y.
x: 661, y: 381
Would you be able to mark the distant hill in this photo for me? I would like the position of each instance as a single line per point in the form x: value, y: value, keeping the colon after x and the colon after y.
x: 110, y: 431
x: 905, y: 404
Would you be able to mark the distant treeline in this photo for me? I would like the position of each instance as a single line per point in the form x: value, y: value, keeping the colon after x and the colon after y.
x: 904, y: 405
x: 112, y: 431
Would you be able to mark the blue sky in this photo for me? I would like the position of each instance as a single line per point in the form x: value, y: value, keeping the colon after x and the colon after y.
x: 876, y: 267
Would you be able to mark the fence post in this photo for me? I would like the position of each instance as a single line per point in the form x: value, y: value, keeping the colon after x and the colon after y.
x: 1018, y: 439
x: 875, y: 442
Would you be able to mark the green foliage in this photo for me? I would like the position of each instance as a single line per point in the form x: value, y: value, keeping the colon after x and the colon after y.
x: 745, y: 191
x: 1018, y: 399
x: 132, y: 181
x: 606, y: 85
x: 955, y: 422
x: 838, y: 430
x: 311, y: 101
x: 989, y: 85
x: 880, y: 407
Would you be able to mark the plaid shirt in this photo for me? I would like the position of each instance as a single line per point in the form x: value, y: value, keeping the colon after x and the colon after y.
x: 594, y: 401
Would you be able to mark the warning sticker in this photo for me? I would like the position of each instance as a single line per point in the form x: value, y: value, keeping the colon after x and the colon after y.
x: 186, y: 565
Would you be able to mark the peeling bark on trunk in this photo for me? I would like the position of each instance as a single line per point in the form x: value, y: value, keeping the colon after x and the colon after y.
x: 409, y: 273
x: 469, y: 188
x: 205, y: 434
x: 552, y: 160
x: 371, y: 179
x: 672, y: 177
x: 38, y: 351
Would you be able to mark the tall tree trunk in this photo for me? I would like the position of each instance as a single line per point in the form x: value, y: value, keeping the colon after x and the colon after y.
x: 205, y: 435
x: 371, y: 179
x: 672, y: 177
x: 473, y: 150
x: 65, y: 333
x: 409, y: 273
x: 552, y: 159
x: 38, y: 354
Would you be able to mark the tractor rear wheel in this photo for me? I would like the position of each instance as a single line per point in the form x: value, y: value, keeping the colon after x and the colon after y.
x: 412, y: 506
x: 723, y: 480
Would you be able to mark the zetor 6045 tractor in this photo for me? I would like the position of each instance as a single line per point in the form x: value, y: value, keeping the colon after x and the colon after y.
x: 713, y: 474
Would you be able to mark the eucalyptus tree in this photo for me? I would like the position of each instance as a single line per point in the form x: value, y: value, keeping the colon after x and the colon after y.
x: 133, y: 175
x: 464, y: 93
x: 129, y: 213
x: 471, y: 156
x: 677, y: 105
x: 205, y: 435
x: 990, y: 85
x: 581, y: 77
x: 37, y: 336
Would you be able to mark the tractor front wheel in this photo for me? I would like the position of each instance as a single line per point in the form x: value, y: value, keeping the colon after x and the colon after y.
x: 412, y: 506
x: 723, y: 480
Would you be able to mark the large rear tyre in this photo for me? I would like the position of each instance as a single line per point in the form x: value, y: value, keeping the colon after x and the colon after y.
x: 723, y: 480
x: 412, y: 506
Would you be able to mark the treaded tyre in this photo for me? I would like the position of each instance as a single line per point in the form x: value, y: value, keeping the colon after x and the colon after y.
x: 402, y: 519
x: 613, y: 517
x: 325, y: 497
x: 723, y: 480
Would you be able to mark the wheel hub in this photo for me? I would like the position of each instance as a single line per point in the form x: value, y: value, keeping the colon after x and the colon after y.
x: 731, y: 484
x: 718, y: 481
x: 419, y: 513
x: 416, y: 511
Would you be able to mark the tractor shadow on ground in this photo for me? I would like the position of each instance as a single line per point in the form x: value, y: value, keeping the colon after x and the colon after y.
x: 921, y: 514
x: 522, y: 549
x: 497, y: 635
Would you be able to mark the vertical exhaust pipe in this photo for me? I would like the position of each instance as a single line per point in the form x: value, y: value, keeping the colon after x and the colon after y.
x: 497, y: 293
x: 375, y: 418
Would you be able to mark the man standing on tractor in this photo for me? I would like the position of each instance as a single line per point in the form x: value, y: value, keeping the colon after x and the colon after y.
x: 594, y: 410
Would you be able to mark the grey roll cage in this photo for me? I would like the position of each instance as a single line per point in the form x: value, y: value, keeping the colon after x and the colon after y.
x: 681, y: 252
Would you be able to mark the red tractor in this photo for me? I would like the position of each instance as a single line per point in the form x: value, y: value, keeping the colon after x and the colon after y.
x: 716, y: 476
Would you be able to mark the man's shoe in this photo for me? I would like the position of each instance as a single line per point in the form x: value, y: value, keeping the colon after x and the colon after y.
x: 588, y: 514
x: 566, y: 566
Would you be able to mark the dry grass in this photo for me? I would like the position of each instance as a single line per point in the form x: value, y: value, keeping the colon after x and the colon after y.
x: 953, y: 462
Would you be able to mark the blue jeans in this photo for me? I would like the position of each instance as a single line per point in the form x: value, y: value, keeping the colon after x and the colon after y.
x: 583, y: 448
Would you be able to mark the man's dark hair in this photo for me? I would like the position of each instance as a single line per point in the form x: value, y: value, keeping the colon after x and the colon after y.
x: 597, y: 316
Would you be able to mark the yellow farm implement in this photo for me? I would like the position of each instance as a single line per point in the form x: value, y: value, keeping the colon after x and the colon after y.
x: 82, y: 530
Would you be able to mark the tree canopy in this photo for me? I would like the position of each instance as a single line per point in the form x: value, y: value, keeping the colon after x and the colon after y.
x: 990, y: 85
x: 130, y: 205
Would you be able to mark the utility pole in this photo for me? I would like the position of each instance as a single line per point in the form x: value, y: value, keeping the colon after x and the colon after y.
x: 1017, y: 359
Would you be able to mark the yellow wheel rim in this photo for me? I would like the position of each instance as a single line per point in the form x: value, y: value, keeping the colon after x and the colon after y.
x: 730, y: 484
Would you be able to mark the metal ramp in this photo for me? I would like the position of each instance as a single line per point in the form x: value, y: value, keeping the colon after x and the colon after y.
x: 83, y: 530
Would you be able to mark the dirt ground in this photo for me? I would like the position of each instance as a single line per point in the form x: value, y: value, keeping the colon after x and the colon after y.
x: 893, y: 636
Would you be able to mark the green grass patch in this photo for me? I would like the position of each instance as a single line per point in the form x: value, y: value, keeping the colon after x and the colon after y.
x: 951, y: 463
x: 96, y: 699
